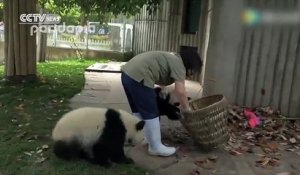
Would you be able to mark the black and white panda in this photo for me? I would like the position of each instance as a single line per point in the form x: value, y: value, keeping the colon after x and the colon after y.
x: 97, y: 135
x: 165, y: 107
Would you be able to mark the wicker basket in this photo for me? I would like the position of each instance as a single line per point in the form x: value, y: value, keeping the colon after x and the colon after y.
x: 207, y: 122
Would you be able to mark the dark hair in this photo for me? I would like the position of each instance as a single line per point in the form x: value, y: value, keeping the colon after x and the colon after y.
x: 192, y: 62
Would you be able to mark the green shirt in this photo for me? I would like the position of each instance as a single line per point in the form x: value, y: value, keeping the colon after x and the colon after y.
x: 155, y: 67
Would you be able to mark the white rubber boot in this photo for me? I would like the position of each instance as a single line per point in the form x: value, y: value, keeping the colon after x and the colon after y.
x: 153, y: 135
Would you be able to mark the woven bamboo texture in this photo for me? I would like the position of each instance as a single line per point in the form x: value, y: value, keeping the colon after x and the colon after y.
x: 207, y: 121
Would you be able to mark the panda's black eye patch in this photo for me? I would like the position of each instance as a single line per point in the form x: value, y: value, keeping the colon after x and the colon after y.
x: 129, y: 141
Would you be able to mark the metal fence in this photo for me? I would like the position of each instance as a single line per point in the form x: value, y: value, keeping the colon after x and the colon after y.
x: 94, y: 36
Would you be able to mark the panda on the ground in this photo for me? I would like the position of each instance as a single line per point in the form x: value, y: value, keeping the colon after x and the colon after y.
x: 97, y: 135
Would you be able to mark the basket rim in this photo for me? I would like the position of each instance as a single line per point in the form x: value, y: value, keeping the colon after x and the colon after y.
x: 219, y: 102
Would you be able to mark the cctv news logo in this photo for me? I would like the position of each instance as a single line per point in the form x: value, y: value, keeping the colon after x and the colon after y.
x: 47, y: 23
x: 39, y: 19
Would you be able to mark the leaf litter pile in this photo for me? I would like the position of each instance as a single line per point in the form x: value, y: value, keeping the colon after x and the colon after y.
x: 36, y: 154
x: 261, y: 131
x: 272, y: 133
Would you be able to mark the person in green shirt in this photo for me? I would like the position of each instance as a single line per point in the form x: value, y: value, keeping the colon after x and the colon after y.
x: 139, y: 77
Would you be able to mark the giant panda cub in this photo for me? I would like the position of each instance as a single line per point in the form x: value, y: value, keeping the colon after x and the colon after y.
x: 165, y: 107
x: 97, y: 135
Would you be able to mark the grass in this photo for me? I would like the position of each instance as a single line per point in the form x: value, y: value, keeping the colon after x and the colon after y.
x: 28, y: 114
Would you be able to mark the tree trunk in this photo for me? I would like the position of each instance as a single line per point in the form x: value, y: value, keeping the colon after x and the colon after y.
x: 41, y: 43
x: 20, y: 46
x: 83, y: 19
x: 84, y: 35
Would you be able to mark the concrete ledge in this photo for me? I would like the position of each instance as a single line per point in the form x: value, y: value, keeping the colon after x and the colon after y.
x: 56, y: 53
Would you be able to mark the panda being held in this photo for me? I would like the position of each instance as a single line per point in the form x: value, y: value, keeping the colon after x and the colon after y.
x: 165, y: 107
x: 139, y: 77
x: 97, y: 135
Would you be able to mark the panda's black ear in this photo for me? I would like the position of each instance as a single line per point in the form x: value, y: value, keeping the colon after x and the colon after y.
x: 140, y: 125
x: 167, y: 98
x: 176, y: 104
x: 157, y: 90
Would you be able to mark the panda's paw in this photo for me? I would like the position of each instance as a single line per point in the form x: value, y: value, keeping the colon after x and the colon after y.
x: 105, y: 164
x: 124, y: 160
x: 128, y: 160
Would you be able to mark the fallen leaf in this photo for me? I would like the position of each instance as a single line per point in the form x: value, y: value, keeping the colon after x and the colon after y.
x: 273, y: 146
x: 123, y: 173
x: 233, y: 113
x: 284, y: 173
x: 43, y: 81
x: 250, y: 134
x: 265, y: 161
x: 205, y: 163
x: 195, y: 172
x: 246, y: 149
x: 39, y: 151
x: 28, y: 153
x: 269, y: 129
x: 21, y: 135
x: 20, y: 107
x: 14, y: 120
x: 234, y: 152
x: 274, y: 162
x: 20, y: 99
x: 235, y: 144
x: 282, y: 136
x: 41, y: 160
x: 213, y: 158
x: 268, y: 110
x: 213, y: 171
x: 292, y: 140
x: 284, y: 144
x: 34, y: 137
x: 260, y: 155
x: 290, y: 149
x: 45, y: 146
